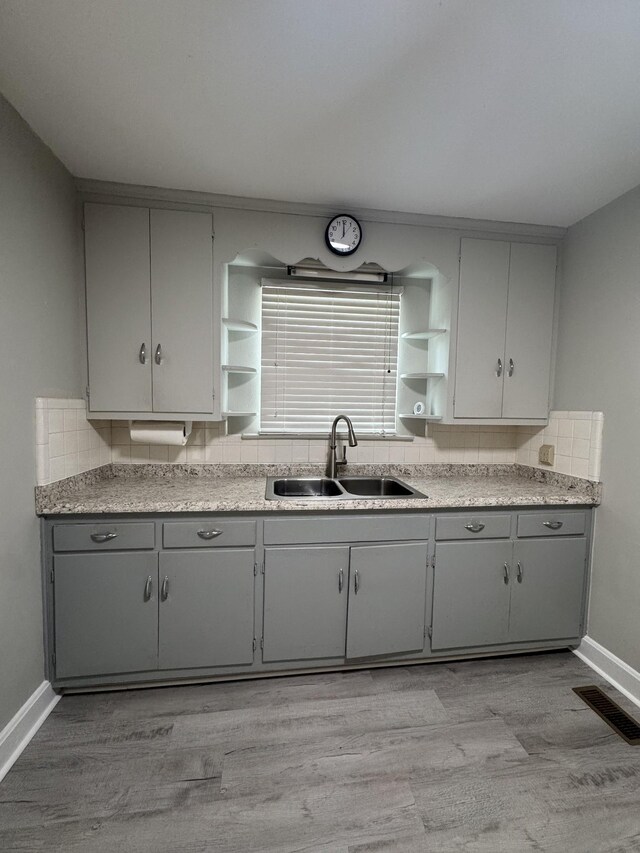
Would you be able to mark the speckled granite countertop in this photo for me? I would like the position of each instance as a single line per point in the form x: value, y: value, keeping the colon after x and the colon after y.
x: 116, y: 489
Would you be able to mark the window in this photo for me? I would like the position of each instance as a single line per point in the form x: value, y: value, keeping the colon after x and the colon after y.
x: 328, y: 348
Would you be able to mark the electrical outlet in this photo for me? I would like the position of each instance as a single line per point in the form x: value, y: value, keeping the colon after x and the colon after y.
x: 546, y: 454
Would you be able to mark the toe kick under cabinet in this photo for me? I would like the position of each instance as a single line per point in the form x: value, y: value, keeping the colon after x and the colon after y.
x: 139, y: 600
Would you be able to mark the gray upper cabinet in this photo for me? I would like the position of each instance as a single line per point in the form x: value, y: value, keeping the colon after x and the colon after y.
x: 106, y: 613
x: 505, y: 329
x: 118, y: 307
x: 387, y: 590
x: 149, y: 310
x: 206, y: 608
x: 305, y: 603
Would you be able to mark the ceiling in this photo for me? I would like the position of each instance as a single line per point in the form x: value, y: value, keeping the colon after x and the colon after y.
x: 518, y: 110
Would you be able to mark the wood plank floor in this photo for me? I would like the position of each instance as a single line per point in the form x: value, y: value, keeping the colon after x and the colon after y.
x: 492, y: 755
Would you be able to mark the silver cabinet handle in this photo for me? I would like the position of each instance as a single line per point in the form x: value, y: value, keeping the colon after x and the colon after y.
x: 519, y: 572
x: 356, y: 581
x: 499, y: 368
x: 147, y: 588
x: 158, y: 355
x: 554, y: 525
x: 209, y: 534
x: 506, y: 573
x: 474, y: 527
x: 164, y: 592
x: 340, y: 580
x: 142, y: 355
x: 103, y: 537
x: 511, y: 367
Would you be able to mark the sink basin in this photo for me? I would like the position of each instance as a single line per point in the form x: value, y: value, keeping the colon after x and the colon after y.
x: 303, y: 487
x: 344, y: 488
x: 378, y: 487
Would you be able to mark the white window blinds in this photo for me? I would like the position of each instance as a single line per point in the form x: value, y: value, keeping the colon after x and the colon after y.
x: 328, y: 349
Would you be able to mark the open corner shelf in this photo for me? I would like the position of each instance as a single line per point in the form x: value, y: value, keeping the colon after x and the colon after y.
x: 421, y: 417
x: 423, y: 335
x: 421, y: 375
x: 238, y: 368
x: 239, y: 414
x: 239, y: 325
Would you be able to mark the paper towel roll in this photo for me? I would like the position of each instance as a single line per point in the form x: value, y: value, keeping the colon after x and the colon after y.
x: 160, y: 432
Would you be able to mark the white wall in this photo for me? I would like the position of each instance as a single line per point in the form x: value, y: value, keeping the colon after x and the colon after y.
x: 598, y: 367
x: 40, y: 337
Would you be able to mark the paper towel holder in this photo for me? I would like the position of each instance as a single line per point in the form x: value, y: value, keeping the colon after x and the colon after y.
x: 188, y: 426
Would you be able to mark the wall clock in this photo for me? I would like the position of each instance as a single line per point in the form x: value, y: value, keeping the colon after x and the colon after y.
x: 343, y: 235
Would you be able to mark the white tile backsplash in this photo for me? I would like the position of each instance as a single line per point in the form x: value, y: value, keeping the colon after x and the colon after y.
x: 577, y: 438
x: 67, y: 443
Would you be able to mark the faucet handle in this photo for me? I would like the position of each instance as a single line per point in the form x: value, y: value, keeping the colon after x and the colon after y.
x: 343, y: 461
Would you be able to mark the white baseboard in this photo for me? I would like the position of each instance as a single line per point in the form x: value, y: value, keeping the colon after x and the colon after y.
x: 22, y: 726
x: 618, y: 673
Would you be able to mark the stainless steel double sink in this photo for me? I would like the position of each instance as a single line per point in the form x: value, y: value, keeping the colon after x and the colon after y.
x: 342, y: 488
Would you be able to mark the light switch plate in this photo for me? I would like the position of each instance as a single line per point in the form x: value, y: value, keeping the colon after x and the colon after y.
x: 546, y: 454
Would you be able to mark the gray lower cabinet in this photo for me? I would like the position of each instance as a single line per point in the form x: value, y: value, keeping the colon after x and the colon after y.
x: 206, y: 608
x: 387, y: 593
x: 470, y: 596
x: 547, y: 592
x: 106, y: 613
x: 487, y: 593
x: 305, y: 603
x: 323, y: 602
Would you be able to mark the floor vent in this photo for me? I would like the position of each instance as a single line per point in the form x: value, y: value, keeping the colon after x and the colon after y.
x: 612, y: 714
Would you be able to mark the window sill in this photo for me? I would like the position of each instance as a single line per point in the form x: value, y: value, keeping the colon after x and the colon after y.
x: 315, y: 436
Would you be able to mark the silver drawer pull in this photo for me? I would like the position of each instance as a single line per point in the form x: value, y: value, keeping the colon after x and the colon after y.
x: 499, y: 368
x: 474, y: 527
x: 511, y: 367
x: 147, y: 588
x: 209, y: 534
x: 506, y: 572
x: 340, y: 580
x: 142, y: 355
x: 158, y: 355
x: 519, y: 575
x: 103, y: 537
x: 356, y: 581
x: 164, y: 592
x: 554, y: 525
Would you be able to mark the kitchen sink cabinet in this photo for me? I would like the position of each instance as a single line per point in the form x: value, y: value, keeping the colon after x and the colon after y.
x: 305, y: 603
x: 387, y: 590
x: 149, y: 299
x: 323, y: 602
x: 505, y: 331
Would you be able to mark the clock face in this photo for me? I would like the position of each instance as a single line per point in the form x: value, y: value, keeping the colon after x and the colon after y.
x: 343, y: 235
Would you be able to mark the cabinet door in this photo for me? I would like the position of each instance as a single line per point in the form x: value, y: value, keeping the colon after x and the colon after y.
x: 182, y: 311
x: 387, y: 596
x: 118, y: 307
x: 106, y: 613
x: 305, y: 602
x: 548, y: 589
x: 532, y: 284
x: 470, y: 595
x: 482, y: 317
x: 206, y: 608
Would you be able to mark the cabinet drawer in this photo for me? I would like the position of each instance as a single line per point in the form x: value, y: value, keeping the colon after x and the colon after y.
x: 473, y: 526
x: 104, y: 536
x: 551, y: 524
x: 298, y: 531
x: 208, y: 533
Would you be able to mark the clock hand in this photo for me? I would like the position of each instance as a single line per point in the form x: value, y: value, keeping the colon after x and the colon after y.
x: 343, y: 228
